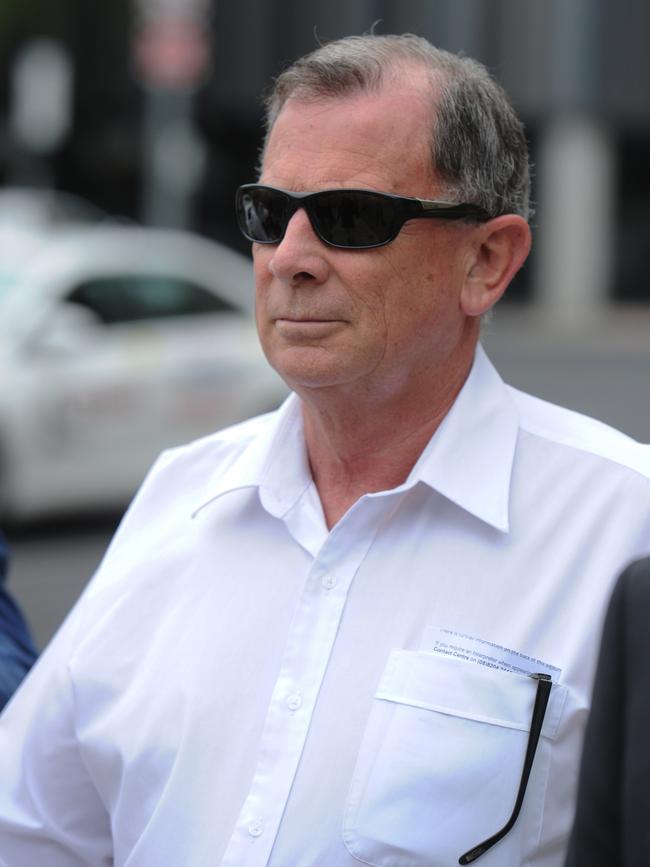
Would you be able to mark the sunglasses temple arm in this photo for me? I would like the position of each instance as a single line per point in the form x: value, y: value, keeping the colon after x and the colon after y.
x: 541, y: 701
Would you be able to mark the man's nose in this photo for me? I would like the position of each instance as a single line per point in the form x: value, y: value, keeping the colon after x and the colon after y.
x: 300, y: 256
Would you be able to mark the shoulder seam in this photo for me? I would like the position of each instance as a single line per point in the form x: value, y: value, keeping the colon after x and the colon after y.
x: 585, y: 448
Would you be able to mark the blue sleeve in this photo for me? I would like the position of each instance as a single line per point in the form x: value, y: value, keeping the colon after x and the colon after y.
x: 17, y: 651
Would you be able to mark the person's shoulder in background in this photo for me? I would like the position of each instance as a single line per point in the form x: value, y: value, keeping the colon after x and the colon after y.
x: 17, y: 650
x: 612, y: 825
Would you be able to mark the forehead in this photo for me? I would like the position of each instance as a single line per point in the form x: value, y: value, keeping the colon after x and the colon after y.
x: 380, y: 140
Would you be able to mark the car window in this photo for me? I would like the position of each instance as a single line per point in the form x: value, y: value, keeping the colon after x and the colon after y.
x: 130, y: 298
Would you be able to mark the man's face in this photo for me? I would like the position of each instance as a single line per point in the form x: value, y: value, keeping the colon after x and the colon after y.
x: 379, y: 318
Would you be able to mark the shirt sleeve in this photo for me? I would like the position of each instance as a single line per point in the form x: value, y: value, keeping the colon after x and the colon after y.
x: 50, y: 811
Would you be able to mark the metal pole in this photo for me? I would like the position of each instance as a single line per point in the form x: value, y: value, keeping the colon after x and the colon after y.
x: 577, y: 196
x: 576, y: 171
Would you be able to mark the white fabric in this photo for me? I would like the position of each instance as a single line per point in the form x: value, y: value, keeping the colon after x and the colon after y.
x: 240, y: 687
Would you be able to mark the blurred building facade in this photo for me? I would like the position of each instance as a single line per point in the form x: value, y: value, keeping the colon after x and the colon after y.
x: 172, y: 148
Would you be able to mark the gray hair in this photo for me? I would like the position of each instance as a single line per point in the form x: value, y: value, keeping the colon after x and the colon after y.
x: 478, y: 144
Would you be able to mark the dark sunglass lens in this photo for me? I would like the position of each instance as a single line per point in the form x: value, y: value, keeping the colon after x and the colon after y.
x: 263, y: 214
x: 355, y: 219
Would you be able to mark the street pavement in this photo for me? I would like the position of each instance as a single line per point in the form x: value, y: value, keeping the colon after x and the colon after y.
x: 51, y: 564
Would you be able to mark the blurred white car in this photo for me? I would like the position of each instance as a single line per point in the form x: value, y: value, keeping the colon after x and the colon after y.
x: 39, y: 208
x: 30, y: 217
x: 115, y: 343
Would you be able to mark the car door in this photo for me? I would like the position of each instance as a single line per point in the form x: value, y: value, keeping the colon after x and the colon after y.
x: 122, y: 370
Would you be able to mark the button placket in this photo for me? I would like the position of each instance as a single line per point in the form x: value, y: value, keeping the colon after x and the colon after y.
x: 310, y: 641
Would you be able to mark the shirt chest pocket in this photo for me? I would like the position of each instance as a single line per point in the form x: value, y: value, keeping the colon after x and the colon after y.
x: 440, y: 764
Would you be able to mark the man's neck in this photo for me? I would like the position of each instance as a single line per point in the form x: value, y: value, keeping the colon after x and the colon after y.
x: 363, y: 445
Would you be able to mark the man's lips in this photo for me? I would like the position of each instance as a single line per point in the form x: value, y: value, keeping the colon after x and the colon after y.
x: 306, y: 327
x: 300, y: 319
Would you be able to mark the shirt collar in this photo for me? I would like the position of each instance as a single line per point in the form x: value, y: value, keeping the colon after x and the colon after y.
x: 468, y: 460
x: 274, y: 461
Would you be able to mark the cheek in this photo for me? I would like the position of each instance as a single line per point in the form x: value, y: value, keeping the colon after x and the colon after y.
x: 261, y: 273
x: 373, y: 302
x: 421, y: 300
x: 261, y: 257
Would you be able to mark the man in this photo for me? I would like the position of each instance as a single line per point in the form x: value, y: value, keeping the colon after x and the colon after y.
x: 612, y: 827
x: 17, y: 651
x: 362, y: 629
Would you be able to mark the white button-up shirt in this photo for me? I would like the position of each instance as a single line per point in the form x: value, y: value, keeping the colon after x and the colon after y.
x: 239, y: 686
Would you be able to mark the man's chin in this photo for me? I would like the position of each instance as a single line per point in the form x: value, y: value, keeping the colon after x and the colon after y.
x: 310, y: 368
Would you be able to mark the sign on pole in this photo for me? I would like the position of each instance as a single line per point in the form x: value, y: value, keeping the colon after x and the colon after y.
x: 171, y: 46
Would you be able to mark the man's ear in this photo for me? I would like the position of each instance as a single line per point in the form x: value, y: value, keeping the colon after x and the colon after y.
x: 500, y: 249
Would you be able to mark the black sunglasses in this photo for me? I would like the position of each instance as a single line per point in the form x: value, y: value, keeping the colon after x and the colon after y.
x: 544, y: 685
x: 352, y: 219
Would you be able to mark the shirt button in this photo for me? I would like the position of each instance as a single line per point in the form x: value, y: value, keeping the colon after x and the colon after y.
x: 256, y: 828
x: 294, y: 701
x: 329, y: 582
